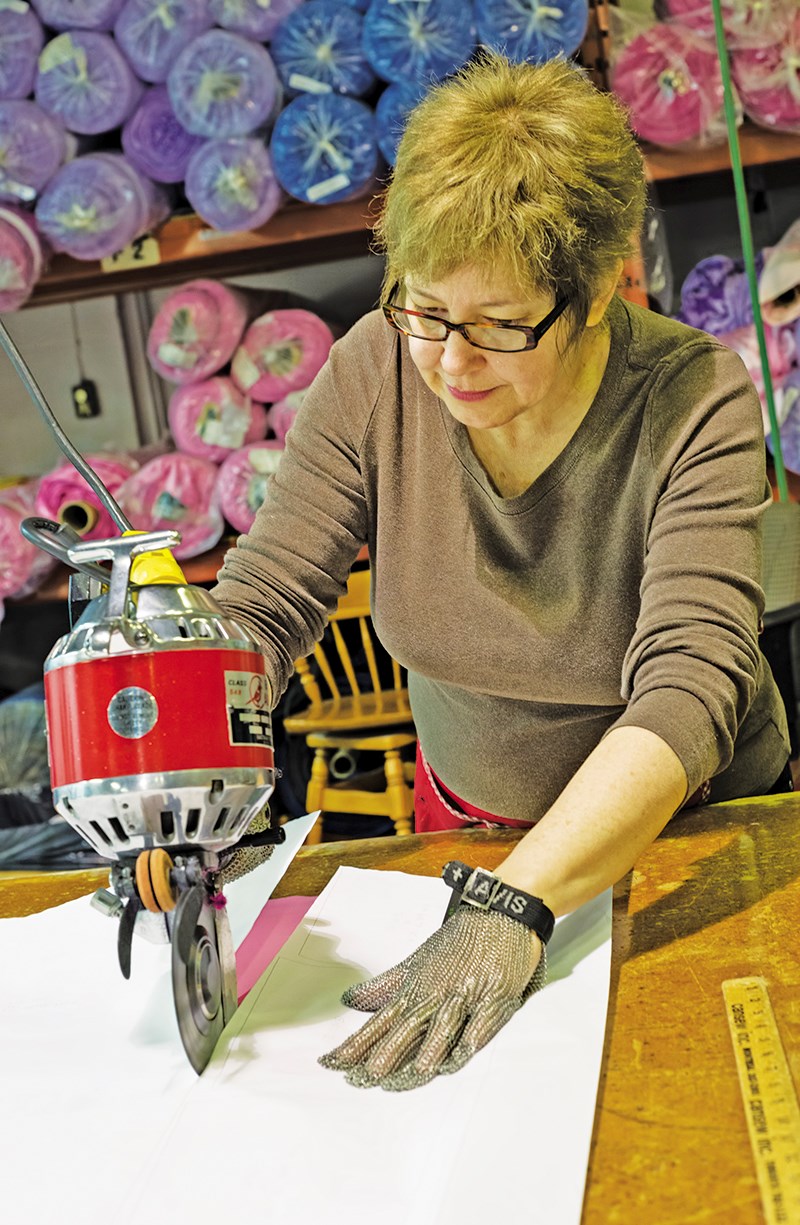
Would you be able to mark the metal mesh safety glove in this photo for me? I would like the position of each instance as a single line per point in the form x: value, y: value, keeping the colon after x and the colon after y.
x: 439, y: 1006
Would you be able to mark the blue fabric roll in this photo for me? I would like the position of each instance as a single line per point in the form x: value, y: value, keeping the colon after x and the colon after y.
x: 391, y: 113
x: 421, y: 40
x: 532, y: 29
x: 324, y: 148
x: 318, y: 50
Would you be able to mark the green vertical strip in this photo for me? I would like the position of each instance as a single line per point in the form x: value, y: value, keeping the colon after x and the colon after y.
x: 747, y: 247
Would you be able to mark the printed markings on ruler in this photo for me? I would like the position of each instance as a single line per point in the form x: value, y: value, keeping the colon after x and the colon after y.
x: 770, y: 1100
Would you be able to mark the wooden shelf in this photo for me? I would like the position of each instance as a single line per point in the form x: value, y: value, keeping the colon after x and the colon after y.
x: 758, y: 148
x: 187, y: 247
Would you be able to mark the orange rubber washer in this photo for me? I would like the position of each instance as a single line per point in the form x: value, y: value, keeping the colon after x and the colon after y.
x: 153, y: 882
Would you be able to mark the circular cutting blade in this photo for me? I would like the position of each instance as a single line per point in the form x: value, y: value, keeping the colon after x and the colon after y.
x: 204, y: 984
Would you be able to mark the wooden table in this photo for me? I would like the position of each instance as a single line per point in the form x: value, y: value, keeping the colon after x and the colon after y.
x: 716, y: 896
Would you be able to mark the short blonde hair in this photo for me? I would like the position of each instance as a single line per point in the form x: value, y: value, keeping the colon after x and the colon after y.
x: 529, y: 168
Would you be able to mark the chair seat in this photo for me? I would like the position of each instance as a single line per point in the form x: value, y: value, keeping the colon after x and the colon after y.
x: 367, y: 743
x: 351, y: 712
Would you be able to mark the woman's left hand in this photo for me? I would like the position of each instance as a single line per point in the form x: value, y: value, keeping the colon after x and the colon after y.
x: 443, y: 1003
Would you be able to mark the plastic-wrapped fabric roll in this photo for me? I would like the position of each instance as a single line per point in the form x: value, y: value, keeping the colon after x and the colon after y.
x: 97, y: 204
x: 768, y: 82
x: 32, y: 147
x: 213, y: 418
x: 280, y: 352
x: 779, y: 280
x: 196, y: 330
x: 253, y: 18
x: 324, y: 148
x: 23, y: 566
x: 78, y: 14
x: 21, y: 258
x: 532, y: 29
x: 153, y: 140
x: 223, y: 85
x: 669, y: 79
x: 176, y: 491
x: 781, y: 355
x: 64, y: 496
x: 715, y: 295
x: 231, y: 184
x: 790, y: 427
x: 391, y: 112
x: 85, y: 80
x: 243, y: 480
x: 152, y: 33
x: 748, y: 23
x: 283, y: 412
x: 21, y: 39
x: 318, y: 50
x: 420, y: 40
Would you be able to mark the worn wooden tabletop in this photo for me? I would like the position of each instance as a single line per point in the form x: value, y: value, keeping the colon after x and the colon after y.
x: 717, y: 896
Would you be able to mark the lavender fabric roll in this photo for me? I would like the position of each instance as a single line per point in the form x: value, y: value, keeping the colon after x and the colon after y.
x: 78, y: 14
x: 213, y: 418
x: 32, y: 147
x: 243, y: 480
x: 152, y: 33
x: 97, y: 204
x: 176, y: 491
x: 324, y: 148
x: 231, y: 183
x: 223, y: 85
x: 21, y: 257
x: 21, y: 39
x: 253, y: 18
x: 155, y: 142
x: 532, y: 29
x: 715, y: 295
x: 391, y: 112
x: 318, y: 49
x: 85, y: 80
x: 418, y: 39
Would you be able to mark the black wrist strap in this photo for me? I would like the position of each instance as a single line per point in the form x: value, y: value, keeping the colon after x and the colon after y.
x: 479, y: 888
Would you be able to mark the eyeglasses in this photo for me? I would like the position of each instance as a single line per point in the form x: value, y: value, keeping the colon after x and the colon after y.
x: 499, y: 337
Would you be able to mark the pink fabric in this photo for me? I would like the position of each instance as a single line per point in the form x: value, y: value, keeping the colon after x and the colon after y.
x: 433, y: 811
x: 768, y: 80
x: 64, y: 496
x: 747, y: 22
x: 213, y: 418
x: 21, y: 258
x: 280, y: 352
x: 266, y: 938
x: 176, y: 491
x: 196, y: 331
x: 283, y: 413
x: 781, y: 353
x: 23, y: 566
x: 243, y: 479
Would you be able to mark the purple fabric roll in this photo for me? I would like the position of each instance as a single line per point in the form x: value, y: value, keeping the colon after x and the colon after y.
x: 78, y: 14
x: 21, y: 40
x: 152, y: 33
x: 253, y: 18
x: 32, y: 147
x: 85, y: 80
x: 223, y: 85
x: 97, y: 204
x: 715, y: 295
x: 231, y: 185
x: 154, y: 141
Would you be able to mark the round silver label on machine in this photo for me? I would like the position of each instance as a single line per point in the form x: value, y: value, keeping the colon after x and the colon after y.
x: 132, y: 712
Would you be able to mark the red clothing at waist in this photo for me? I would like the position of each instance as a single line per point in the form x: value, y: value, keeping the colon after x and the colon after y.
x: 437, y: 808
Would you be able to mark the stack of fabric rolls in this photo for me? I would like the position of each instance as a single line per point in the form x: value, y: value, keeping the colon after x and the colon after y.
x: 115, y: 114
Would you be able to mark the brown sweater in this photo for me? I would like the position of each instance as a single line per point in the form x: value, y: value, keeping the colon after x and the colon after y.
x: 621, y: 588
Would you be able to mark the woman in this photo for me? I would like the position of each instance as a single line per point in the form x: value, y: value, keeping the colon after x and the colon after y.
x: 561, y: 494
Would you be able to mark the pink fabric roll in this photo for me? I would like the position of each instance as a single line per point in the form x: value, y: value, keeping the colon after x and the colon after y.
x: 21, y: 257
x: 64, y: 496
x: 176, y: 491
x: 782, y: 356
x: 669, y: 79
x: 283, y: 413
x: 23, y: 566
x: 196, y: 331
x: 747, y: 22
x: 768, y: 80
x: 213, y: 418
x: 280, y: 352
x: 243, y: 480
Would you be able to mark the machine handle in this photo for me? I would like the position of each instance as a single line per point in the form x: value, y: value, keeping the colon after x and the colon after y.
x: 59, y: 540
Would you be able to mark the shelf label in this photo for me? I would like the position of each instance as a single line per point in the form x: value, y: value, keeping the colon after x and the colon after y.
x: 143, y: 252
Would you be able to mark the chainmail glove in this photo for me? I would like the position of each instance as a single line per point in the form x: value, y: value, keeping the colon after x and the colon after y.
x: 439, y: 1006
x: 245, y: 859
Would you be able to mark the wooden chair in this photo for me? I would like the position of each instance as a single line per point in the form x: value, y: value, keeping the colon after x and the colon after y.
x: 356, y: 707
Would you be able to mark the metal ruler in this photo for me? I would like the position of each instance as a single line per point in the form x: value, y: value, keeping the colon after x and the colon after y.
x: 770, y: 1100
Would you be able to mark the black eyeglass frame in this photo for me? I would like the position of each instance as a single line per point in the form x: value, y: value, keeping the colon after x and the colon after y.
x: 534, y: 334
